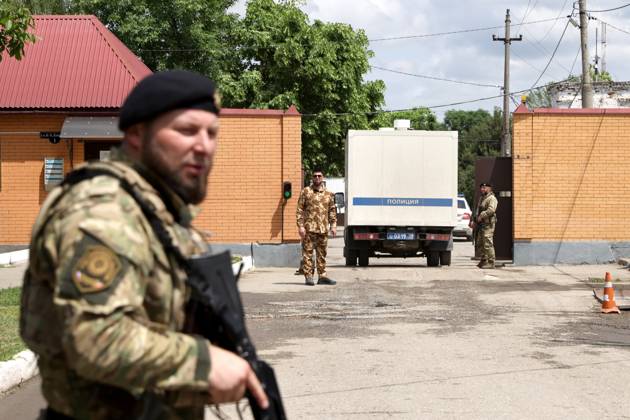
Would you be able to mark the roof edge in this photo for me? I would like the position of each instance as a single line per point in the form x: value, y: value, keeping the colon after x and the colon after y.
x: 574, y: 111
x: 228, y: 112
x: 232, y: 112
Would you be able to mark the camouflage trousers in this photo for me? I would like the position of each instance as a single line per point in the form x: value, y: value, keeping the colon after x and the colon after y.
x: 314, y: 242
x: 484, y: 242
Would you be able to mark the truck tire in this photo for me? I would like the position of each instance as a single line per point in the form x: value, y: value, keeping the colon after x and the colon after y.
x: 445, y: 258
x: 364, y: 258
x: 433, y: 258
x: 351, y: 259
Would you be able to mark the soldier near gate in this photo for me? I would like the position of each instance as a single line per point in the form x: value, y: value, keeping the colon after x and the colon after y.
x: 103, y: 298
x: 316, y: 217
x: 485, y: 222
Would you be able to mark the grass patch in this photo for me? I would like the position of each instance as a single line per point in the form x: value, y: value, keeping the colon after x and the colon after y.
x: 10, y: 340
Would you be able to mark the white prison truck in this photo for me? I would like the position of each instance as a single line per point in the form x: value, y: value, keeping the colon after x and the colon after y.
x: 401, y: 194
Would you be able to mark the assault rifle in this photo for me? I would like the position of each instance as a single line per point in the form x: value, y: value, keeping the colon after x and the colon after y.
x: 216, y: 312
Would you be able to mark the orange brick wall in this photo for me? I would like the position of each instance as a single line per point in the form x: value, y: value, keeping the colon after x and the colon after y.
x: 256, y: 154
x: 571, y: 175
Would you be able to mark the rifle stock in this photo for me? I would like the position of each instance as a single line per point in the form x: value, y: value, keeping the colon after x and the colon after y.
x: 216, y: 312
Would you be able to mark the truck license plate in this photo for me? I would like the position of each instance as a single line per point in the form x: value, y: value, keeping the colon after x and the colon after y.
x: 401, y: 236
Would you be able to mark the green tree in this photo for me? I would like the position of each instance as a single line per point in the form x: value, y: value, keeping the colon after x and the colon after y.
x: 46, y: 7
x: 421, y: 119
x: 186, y: 34
x: 479, y: 135
x: 15, y: 23
x: 539, y: 98
x: 284, y: 60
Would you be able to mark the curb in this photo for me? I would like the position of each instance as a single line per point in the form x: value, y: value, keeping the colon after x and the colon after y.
x: 23, y: 366
x: 18, y: 370
x: 248, y: 264
x: 14, y: 257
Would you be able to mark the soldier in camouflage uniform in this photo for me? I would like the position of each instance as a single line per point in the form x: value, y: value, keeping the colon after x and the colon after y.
x: 103, y: 300
x: 316, y: 217
x: 485, y: 223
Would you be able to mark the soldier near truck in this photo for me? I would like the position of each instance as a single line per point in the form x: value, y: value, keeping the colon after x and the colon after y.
x: 316, y: 217
x: 484, y: 225
x: 103, y: 301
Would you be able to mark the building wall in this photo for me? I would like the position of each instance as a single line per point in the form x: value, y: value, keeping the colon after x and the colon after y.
x: 571, y: 185
x: 605, y: 95
x: 256, y: 154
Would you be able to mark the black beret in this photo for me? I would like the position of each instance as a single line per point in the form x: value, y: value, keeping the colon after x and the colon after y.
x: 166, y: 91
x: 485, y: 184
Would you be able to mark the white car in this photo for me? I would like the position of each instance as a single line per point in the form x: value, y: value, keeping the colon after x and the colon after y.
x: 464, y: 213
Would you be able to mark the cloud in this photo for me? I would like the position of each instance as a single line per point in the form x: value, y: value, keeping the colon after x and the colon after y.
x: 473, y: 56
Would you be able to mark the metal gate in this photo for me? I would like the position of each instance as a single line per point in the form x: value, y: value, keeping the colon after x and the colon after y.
x: 498, y: 172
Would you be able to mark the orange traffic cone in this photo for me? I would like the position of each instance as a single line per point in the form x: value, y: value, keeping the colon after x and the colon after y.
x: 608, y: 303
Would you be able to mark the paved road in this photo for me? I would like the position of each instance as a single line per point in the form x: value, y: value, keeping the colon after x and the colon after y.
x: 12, y: 276
x: 401, y: 340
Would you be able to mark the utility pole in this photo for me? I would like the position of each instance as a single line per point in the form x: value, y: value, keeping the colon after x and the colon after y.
x: 587, y: 86
x: 603, y: 47
x: 506, y: 142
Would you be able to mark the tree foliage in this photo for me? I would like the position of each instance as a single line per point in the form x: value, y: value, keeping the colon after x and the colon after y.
x: 479, y: 135
x: 421, y: 119
x: 46, y: 7
x: 15, y: 23
x: 284, y: 60
x: 186, y: 34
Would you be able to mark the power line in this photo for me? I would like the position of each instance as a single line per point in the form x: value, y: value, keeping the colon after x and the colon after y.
x: 556, y: 21
x: 552, y: 54
x: 608, y: 10
x: 529, y: 2
x: 456, y: 32
x: 422, y: 76
x: 385, y: 111
x: 625, y: 31
x: 538, y: 45
x: 575, y: 60
x: 522, y: 59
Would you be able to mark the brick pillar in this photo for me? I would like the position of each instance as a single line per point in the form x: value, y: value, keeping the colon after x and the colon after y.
x: 291, y: 169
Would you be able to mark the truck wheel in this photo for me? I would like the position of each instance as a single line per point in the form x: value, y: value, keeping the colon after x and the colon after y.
x: 364, y: 258
x: 351, y: 260
x: 433, y: 258
x: 445, y: 258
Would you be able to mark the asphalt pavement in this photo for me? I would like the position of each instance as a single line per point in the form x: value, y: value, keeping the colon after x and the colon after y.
x: 401, y: 340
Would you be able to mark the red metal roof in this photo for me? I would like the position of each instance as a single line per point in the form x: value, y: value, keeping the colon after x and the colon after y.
x: 75, y: 63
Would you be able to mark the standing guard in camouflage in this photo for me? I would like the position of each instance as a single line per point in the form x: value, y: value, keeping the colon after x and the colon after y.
x: 486, y: 220
x: 316, y: 217
x: 103, y: 301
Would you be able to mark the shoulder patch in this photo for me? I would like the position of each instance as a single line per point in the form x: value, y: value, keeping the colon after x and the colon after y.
x: 96, y: 269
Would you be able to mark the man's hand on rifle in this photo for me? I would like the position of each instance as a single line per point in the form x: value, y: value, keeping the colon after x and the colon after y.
x: 231, y: 376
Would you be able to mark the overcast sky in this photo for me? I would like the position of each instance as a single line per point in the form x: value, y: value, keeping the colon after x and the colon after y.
x: 473, y: 56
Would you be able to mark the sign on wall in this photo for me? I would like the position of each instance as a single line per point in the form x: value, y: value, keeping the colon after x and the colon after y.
x: 53, y: 172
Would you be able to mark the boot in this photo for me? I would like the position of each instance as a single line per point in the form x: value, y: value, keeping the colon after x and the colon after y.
x: 488, y: 265
x: 326, y: 281
x: 309, y: 281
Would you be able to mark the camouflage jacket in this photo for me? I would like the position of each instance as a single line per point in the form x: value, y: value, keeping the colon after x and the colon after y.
x: 316, y: 210
x: 103, y: 304
x: 487, y: 208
